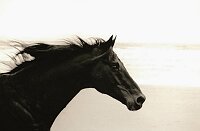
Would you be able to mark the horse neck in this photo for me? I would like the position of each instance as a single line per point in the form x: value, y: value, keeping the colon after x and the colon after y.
x: 55, y: 100
x: 50, y: 89
x: 60, y: 90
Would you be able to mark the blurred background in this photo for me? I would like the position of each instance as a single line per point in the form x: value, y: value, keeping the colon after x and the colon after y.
x: 157, y: 40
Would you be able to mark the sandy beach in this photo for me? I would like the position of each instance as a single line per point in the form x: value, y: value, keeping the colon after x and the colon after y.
x: 166, y: 108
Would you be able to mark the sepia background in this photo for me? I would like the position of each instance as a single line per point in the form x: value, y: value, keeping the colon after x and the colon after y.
x: 157, y: 40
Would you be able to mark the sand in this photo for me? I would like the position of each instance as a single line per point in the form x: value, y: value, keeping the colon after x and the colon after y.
x: 166, y: 108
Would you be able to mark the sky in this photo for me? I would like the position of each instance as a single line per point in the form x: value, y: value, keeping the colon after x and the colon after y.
x: 137, y: 21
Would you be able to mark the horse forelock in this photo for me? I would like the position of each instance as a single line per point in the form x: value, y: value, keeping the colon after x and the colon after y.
x: 29, y: 55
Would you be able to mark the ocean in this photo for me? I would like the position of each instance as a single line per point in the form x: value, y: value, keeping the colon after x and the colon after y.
x: 168, y: 65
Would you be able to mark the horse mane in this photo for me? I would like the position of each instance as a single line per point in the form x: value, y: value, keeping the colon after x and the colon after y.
x: 47, y: 53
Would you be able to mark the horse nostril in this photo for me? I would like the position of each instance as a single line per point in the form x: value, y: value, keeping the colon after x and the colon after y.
x: 140, y: 100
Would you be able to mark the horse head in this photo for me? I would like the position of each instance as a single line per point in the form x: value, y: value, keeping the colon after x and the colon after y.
x: 110, y: 77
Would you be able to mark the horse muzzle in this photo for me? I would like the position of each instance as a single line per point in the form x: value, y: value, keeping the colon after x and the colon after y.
x: 135, y: 103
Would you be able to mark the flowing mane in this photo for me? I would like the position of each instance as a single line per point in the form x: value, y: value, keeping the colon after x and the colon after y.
x: 49, y: 54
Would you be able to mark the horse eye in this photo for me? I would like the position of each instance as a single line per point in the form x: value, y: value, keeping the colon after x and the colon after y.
x: 115, y: 66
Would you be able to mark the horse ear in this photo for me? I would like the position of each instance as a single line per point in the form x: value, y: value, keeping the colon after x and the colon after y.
x: 111, y: 41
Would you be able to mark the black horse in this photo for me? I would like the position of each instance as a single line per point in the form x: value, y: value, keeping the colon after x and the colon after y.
x: 35, y: 92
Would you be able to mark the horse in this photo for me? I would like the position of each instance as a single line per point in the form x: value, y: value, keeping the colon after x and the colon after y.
x: 36, y: 91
